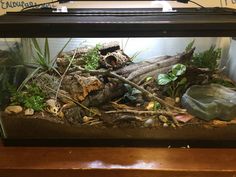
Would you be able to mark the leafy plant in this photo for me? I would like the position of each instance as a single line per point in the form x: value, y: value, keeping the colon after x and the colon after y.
x: 91, y: 58
x: 43, y: 60
x: 173, y: 80
x: 206, y: 59
x: 131, y: 93
x: 32, y: 97
x: 189, y: 46
x: 177, y: 70
x: 12, y: 70
x: 224, y: 82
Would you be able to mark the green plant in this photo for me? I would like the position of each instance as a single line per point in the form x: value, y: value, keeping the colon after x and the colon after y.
x: 223, y: 82
x: 206, y: 59
x: 44, y: 62
x: 12, y: 70
x: 91, y: 58
x: 132, y: 93
x: 189, y: 46
x: 173, y: 80
x: 32, y: 97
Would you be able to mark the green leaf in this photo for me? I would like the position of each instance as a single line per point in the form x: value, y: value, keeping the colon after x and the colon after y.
x: 183, y: 81
x: 135, y: 91
x: 156, y: 106
x: 208, y: 58
x: 148, y: 78
x: 172, y: 76
x: 59, y: 53
x: 178, y: 69
x: 36, y: 45
x: 163, y: 79
x: 189, y: 46
x: 46, y: 51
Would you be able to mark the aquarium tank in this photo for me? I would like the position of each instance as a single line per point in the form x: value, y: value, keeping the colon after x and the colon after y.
x: 118, y: 74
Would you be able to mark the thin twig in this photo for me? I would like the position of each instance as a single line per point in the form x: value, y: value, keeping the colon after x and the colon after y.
x: 162, y: 112
x: 157, y: 112
x: 64, y: 74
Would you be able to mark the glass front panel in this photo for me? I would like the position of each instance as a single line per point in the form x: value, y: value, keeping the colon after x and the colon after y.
x: 125, y: 88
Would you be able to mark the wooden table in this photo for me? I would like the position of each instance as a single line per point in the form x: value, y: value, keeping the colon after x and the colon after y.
x: 116, y: 162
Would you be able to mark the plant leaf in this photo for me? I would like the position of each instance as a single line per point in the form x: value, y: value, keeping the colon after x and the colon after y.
x: 189, y: 46
x: 30, y: 76
x: 148, y: 78
x: 172, y: 76
x: 182, y: 81
x: 36, y: 44
x: 46, y: 51
x: 163, y: 79
x: 178, y: 69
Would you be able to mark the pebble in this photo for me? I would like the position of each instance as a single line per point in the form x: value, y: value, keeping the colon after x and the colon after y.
x: 165, y: 125
x: 149, y: 123
x: 29, y: 112
x: 86, y: 119
x: 13, y: 109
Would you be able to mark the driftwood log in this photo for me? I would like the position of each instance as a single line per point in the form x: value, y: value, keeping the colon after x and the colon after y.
x: 137, y: 72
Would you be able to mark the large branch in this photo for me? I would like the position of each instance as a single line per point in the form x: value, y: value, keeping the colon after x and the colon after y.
x: 139, y: 71
x: 124, y: 80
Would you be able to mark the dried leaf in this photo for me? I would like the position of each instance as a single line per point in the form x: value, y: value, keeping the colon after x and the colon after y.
x: 184, y: 117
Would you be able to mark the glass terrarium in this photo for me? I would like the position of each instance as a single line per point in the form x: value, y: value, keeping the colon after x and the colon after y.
x: 118, y: 74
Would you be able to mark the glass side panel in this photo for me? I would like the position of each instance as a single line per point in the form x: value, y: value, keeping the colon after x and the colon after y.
x: 121, y: 88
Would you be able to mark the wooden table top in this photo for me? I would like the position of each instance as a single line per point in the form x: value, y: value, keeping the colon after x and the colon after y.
x: 118, y: 161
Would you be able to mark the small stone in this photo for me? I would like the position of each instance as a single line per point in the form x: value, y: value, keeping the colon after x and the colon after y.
x: 149, y: 123
x: 165, y: 125
x: 86, y: 119
x: 177, y: 99
x: 29, y: 112
x: 13, y: 109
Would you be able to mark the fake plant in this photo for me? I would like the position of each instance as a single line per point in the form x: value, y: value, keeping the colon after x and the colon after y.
x: 173, y: 80
x: 92, y: 58
x: 206, y: 59
x: 32, y: 97
x: 12, y: 70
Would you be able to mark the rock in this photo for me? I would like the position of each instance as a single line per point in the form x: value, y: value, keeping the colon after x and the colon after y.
x: 13, y: 109
x: 165, y: 125
x: 149, y: 123
x: 209, y: 102
x: 86, y: 119
x: 74, y: 115
x: 29, y: 112
x: 177, y: 100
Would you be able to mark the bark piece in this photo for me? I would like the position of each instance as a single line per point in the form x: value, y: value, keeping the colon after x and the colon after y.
x: 109, y: 47
x: 79, y: 86
x: 63, y: 59
x: 114, y: 60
